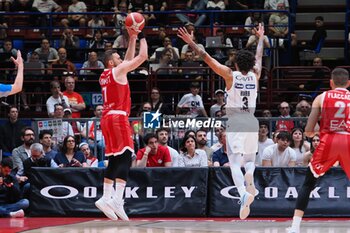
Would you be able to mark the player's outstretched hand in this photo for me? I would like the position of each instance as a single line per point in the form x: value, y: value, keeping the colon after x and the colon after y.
x: 260, y: 32
x: 184, y: 35
x: 19, y: 60
x: 132, y: 31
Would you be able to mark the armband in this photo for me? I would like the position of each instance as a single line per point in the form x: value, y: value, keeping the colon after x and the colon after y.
x: 140, y: 36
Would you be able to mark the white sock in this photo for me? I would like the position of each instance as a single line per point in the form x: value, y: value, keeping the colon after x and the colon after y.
x: 119, y: 190
x: 296, y: 222
x: 107, y: 191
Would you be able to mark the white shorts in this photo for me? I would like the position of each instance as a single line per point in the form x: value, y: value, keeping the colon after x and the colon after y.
x: 242, y: 142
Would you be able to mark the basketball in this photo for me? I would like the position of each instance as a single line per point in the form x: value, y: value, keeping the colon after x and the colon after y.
x: 135, y: 20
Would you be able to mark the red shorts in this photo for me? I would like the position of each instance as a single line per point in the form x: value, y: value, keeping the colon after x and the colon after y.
x: 332, y: 148
x: 117, y: 134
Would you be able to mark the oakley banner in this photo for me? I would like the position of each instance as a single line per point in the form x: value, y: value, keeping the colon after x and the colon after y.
x: 149, y: 192
x: 278, y: 189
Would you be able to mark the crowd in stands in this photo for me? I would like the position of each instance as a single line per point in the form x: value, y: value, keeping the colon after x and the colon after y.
x: 80, y: 57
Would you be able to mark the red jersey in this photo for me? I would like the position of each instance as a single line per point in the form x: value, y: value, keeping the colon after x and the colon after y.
x: 115, y: 96
x: 155, y: 160
x: 335, y: 111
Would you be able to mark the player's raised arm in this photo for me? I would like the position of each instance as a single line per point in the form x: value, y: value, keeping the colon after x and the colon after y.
x: 259, y: 51
x: 143, y: 53
x: 218, y: 68
x: 130, y: 52
x: 18, y: 84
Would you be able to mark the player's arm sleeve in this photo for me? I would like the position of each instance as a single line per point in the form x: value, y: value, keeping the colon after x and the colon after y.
x: 5, y: 89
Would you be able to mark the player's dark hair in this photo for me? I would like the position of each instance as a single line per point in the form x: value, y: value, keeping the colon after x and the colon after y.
x: 245, y: 60
x: 7, y: 162
x: 319, y: 18
x: 183, y: 143
x: 43, y: 132
x: 340, y: 77
x: 148, y: 136
x: 284, y: 135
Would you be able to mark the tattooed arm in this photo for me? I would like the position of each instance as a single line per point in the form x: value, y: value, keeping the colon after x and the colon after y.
x: 259, y: 51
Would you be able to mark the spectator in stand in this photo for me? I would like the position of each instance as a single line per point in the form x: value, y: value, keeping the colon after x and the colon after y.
x: 93, y: 133
x: 76, y: 101
x: 223, y: 110
x: 63, y: 61
x: 166, y: 60
x: 56, y: 97
x: 220, y: 158
x: 201, y: 140
x: 68, y: 40
x: 11, y: 204
x: 315, y: 82
x: 319, y: 34
x: 299, y: 123
x: 220, y: 100
x: 216, y: 5
x: 3, y: 27
x: 156, y: 41
x: 5, y: 5
x: 251, y: 21
x: 192, y: 104
x: 315, y: 141
x: 119, y: 17
x: 266, y: 113
x: 284, y: 125
x: 66, y: 128
x: 157, y: 102
x: 231, y: 58
x: 166, y: 44
x: 45, y: 139
x: 236, y: 18
x: 45, y: 6
x: 75, y: 20
x: 191, y: 156
x: 76, y: 126
x: 185, y: 49
x: 197, y: 19
x: 299, y: 145
x: 279, y: 154
x: 279, y: 19
x: 264, y: 141
x: 7, y: 47
x: 225, y: 40
x: 103, y: 5
x: 91, y: 160
x: 10, y: 132
x: 37, y: 159
x: 157, y: 5
x: 153, y: 155
x: 46, y: 53
x: 97, y: 42
x: 273, y: 4
x: 217, y: 145
x: 23, y: 152
x: 22, y: 5
x: 122, y: 40
x: 163, y: 138
x: 97, y: 22
x: 69, y: 156
x: 304, y: 107
x: 91, y: 64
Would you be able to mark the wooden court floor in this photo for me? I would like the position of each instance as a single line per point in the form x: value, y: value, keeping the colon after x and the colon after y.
x: 195, y: 225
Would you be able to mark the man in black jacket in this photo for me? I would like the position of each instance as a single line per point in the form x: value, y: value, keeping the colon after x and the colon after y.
x: 11, y: 205
x: 10, y: 132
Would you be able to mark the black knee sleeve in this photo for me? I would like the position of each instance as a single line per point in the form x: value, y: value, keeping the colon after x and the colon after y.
x: 304, y: 193
x: 119, y: 166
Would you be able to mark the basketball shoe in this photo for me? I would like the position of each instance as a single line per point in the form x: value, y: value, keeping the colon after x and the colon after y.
x: 104, y: 207
x: 118, y: 208
x: 246, y: 200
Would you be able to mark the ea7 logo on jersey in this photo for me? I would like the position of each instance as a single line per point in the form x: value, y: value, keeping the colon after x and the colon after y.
x: 250, y: 86
x: 239, y: 86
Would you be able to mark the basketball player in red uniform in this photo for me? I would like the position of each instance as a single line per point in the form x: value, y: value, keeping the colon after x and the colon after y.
x: 333, y: 109
x: 115, y: 123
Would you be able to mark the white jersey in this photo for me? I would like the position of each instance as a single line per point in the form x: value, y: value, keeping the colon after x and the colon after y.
x: 241, y: 98
x: 242, y: 126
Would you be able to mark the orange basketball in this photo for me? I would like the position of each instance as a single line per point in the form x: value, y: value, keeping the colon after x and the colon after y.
x: 135, y: 20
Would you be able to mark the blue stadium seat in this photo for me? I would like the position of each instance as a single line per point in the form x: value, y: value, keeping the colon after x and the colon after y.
x: 78, y: 65
x: 18, y: 44
x: 83, y: 43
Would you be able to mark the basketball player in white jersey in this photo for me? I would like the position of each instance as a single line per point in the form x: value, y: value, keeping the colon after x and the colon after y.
x: 243, y: 127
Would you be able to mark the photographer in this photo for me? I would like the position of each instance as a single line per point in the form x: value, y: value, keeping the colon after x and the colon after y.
x: 10, y: 203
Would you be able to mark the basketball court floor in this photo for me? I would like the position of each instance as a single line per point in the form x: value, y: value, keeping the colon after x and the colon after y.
x: 169, y: 225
